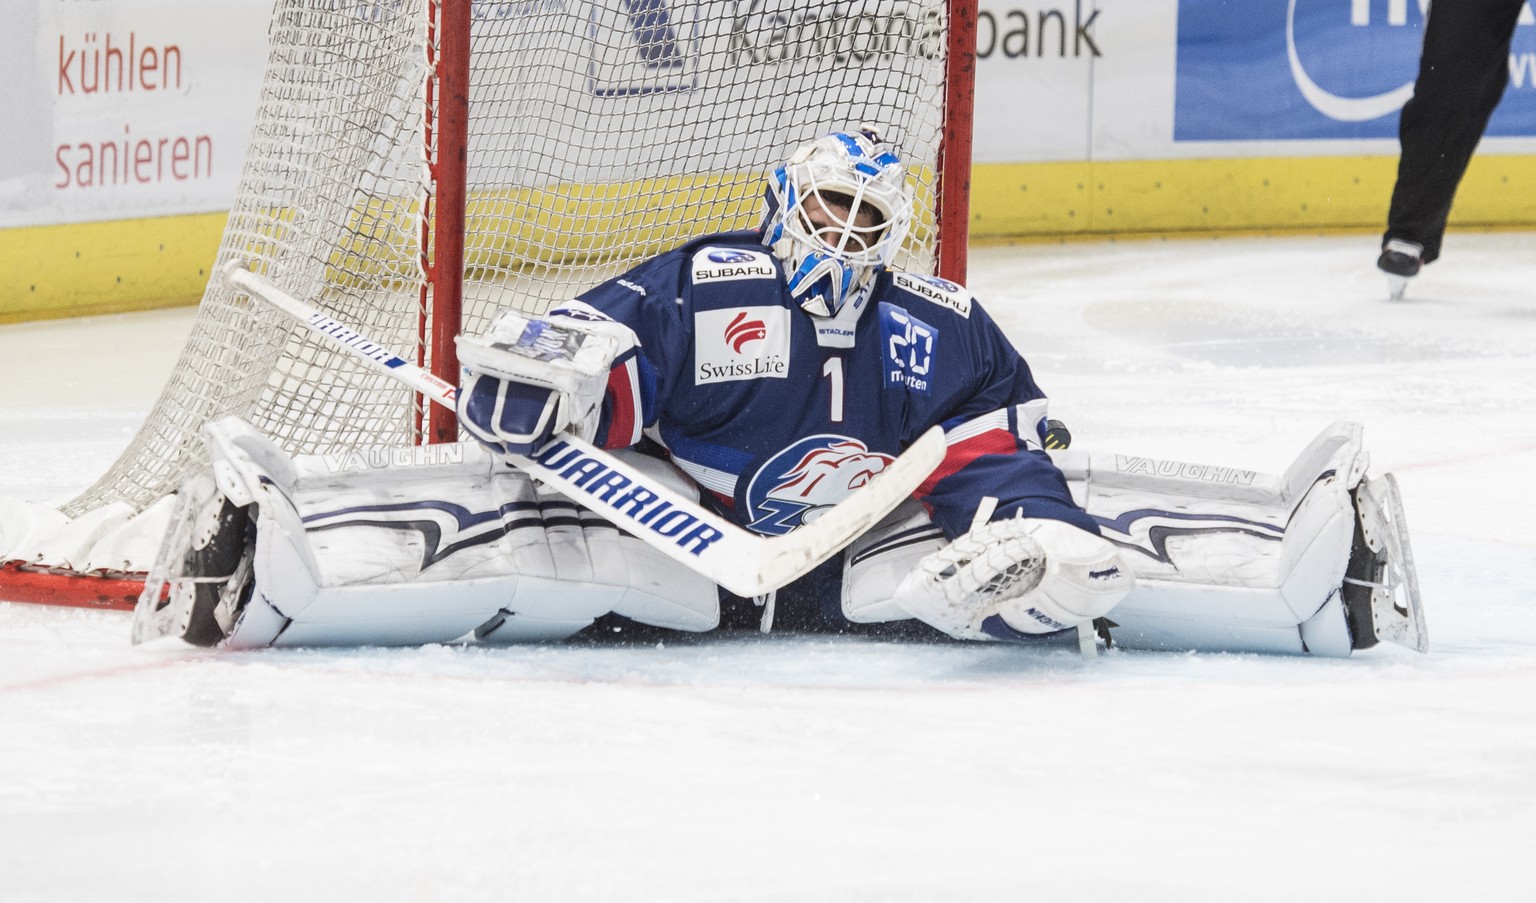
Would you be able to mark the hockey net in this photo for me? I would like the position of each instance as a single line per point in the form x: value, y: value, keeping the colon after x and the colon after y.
x: 417, y: 164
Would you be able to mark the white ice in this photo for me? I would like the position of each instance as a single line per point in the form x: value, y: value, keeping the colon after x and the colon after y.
x: 792, y: 769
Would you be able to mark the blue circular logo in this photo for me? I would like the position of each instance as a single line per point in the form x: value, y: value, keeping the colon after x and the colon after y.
x: 1351, y: 62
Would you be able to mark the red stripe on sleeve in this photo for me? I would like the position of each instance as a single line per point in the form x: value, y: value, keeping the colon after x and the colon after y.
x: 621, y: 406
x: 992, y: 442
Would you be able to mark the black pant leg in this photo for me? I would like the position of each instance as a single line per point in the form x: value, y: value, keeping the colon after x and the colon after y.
x: 1463, y: 71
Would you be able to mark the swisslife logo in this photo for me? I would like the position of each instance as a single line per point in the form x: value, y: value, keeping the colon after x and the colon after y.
x: 739, y: 343
x: 1303, y: 69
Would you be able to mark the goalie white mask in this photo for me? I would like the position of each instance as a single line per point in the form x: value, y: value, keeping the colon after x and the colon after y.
x: 835, y: 214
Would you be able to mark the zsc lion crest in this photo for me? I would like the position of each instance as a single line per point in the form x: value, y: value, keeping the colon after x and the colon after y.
x: 801, y: 481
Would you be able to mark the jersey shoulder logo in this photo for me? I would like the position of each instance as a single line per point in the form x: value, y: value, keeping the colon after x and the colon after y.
x: 939, y: 291
x: 738, y: 343
x: 803, y: 480
x: 909, y: 346
x: 581, y: 310
x: 729, y: 264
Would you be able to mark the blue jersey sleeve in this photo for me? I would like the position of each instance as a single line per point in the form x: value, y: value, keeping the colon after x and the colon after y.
x: 994, y: 421
x: 645, y: 300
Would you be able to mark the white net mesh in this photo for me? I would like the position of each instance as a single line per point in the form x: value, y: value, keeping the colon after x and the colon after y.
x: 600, y: 132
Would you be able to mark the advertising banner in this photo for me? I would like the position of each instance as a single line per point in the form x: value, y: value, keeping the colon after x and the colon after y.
x: 1035, y: 62
x: 1318, y: 69
x: 128, y: 108
x: 1103, y: 116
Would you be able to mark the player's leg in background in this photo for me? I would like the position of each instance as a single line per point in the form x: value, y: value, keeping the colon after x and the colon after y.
x: 1462, y: 75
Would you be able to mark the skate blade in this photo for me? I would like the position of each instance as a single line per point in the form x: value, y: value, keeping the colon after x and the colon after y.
x: 164, y: 608
x: 162, y: 611
x: 1397, y: 612
x: 1396, y: 287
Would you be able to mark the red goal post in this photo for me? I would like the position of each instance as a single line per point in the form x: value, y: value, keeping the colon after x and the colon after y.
x: 416, y: 164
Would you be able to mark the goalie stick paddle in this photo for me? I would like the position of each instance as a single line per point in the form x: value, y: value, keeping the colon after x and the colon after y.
x: 744, y: 563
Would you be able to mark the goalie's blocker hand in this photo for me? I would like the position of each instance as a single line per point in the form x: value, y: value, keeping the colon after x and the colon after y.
x: 528, y: 378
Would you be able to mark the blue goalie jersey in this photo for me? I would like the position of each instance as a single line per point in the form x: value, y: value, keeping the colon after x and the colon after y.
x: 779, y: 414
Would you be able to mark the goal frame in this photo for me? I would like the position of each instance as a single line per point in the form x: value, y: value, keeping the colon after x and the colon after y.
x: 442, y: 249
x: 445, y: 266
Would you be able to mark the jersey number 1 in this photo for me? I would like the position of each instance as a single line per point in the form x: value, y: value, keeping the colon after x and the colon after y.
x: 833, y: 370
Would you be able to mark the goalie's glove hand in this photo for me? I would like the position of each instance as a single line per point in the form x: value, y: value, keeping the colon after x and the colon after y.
x: 1035, y: 576
x: 528, y: 378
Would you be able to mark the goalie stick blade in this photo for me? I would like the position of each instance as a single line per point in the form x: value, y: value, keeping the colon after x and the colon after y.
x: 1397, y: 612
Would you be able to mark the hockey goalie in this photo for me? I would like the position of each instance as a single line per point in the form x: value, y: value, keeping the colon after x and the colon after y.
x: 767, y: 376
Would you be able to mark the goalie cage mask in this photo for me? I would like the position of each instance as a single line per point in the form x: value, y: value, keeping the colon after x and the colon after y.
x: 856, y: 185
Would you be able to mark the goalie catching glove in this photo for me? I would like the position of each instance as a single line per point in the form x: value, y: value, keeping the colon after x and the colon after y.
x: 1016, y: 576
x: 528, y: 378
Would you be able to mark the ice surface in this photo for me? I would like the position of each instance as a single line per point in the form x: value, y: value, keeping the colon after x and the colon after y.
x: 798, y: 768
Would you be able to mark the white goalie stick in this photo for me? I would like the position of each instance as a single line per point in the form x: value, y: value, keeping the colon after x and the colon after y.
x: 744, y: 563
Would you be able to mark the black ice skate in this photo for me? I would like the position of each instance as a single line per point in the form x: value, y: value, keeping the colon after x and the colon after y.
x: 201, y: 601
x: 1401, y: 261
x: 1381, y: 586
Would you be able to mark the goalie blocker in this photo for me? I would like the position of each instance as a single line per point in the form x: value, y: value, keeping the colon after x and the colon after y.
x: 395, y: 547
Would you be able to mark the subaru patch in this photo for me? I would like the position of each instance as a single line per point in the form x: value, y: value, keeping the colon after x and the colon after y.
x: 729, y: 264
